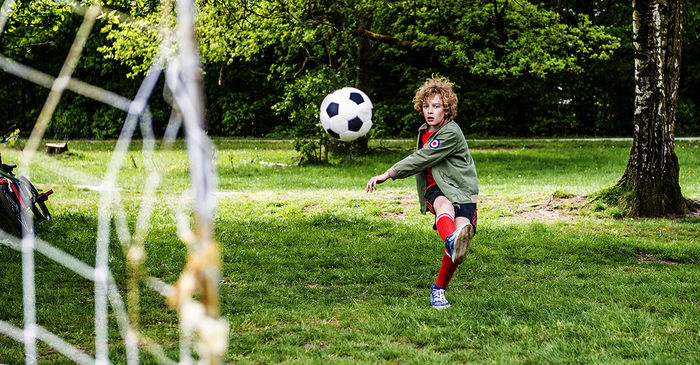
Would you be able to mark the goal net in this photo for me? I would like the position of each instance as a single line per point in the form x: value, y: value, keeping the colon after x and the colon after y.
x: 195, y: 295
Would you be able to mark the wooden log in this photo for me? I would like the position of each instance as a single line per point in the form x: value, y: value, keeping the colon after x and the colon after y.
x: 56, y: 147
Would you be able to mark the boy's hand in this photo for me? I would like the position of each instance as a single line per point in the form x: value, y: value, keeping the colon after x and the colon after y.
x: 372, y: 184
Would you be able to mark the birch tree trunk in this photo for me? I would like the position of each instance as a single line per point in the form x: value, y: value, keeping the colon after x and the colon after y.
x: 652, y: 171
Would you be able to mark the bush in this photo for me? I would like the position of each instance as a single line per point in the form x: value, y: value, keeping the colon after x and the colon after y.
x: 300, y: 105
x: 80, y: 119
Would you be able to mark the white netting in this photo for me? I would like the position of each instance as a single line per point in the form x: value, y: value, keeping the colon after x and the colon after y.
x: 200, y: 324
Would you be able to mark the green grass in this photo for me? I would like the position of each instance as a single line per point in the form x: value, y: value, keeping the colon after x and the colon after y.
x: 317, y: 271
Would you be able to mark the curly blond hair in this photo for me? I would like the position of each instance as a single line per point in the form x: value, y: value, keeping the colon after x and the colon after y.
x: 437, y: 86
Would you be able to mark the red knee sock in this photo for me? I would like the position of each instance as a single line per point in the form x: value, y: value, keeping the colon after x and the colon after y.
x: 445, y: 226
x: 447, y: 269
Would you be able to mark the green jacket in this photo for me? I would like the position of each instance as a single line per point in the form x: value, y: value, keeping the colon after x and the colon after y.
x: 447, y: 155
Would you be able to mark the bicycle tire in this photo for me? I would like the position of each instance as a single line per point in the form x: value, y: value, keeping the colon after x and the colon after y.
x: 42, y: 212
x: 13, y: 211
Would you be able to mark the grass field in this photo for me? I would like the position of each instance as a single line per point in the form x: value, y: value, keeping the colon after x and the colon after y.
x: 315, y: 270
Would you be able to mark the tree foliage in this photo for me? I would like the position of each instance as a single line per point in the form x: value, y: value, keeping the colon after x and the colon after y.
x: 497, y: 51
x: 522, y: 68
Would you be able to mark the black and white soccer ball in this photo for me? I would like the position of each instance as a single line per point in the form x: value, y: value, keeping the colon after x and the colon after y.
x: 346, y: 114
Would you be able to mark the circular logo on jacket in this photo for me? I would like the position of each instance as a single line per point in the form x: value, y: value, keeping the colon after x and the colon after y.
x: 434, y: 144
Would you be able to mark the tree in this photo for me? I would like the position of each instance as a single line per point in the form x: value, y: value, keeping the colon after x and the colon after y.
x: 650, y: 182
x: 522, y: 67
x: 39, y: 34
x: 369, y: 43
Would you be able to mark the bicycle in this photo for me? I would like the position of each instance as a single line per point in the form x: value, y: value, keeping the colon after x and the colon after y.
x: 18, y: 195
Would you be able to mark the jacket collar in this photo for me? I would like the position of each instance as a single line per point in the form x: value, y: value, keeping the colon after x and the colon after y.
x: 424, y: 126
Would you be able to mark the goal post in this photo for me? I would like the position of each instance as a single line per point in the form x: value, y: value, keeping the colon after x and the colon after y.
x: 195, y: 294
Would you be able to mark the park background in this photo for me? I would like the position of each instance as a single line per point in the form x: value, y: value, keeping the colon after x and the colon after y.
x: 522, y: 69
x: 555, y: 274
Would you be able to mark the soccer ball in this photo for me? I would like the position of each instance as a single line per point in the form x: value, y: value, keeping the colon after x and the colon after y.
x: 346, y: 114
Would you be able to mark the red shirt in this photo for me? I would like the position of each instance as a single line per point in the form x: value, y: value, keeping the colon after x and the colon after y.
x: 425, y: 135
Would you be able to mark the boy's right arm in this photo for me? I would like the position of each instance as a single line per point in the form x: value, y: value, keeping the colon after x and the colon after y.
x: 372, y: 184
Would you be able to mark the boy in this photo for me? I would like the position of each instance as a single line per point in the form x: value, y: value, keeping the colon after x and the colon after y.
x: 445, y: 177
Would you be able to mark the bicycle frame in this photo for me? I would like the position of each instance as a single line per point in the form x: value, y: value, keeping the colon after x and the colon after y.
x: 18, y: 195
x: 12, y: 183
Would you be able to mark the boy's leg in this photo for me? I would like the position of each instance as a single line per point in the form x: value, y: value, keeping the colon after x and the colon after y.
x: 457, y: 243
x: 444, y: 216
x: 443, y: 210
x: 447, y: 270
x: 445, y: 224
x: 466, y: 220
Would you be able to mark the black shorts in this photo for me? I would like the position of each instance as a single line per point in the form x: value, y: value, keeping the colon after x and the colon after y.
x: 467, y: 210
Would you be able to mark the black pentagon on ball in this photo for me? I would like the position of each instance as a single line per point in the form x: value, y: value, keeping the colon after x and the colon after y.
x: 357, y: 98
x: 355, y: 124
x: 333, y: 134
x: 332, y: 109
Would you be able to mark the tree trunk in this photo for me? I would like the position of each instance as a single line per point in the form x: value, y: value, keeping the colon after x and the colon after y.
x: 652, y: 171
x: 363, y: 77
x: 363, y: 80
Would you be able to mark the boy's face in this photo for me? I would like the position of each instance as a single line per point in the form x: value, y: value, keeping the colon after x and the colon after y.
x: 434, y: 112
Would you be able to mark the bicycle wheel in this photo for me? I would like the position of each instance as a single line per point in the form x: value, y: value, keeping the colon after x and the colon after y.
x: 28, y: 189
x: 13, y: 210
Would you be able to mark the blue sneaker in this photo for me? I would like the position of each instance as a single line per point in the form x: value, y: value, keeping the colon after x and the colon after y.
x: 457, y: 243
x: 437, y: 298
